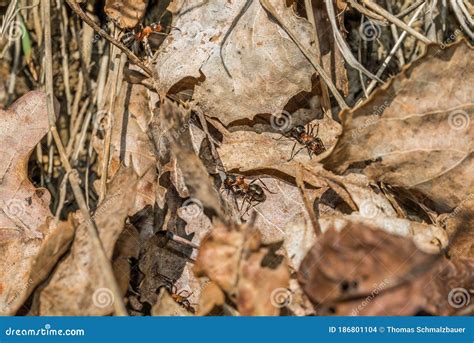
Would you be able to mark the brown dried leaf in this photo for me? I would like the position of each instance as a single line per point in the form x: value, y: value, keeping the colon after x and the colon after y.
x: 364, y: 271
x: 347, y: 264
x: 259, y: 287
x: 449, y: 288
x: 427, y: 238
x: 260, y: 56
x: 459, y: 226
x: 416, y: 133
x: 250, y: 274
x: 78, y: 286
x: 30, y: 241
x: 166, y: 306
x: 211, y: 296
x: 127, y: 246
x: 283, y: 217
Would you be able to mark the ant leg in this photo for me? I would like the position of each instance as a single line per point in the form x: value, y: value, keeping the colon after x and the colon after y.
x: 292, y: 151
x: 242, y: 204
x: 297, y: 153
x: 265, y: 186
x: 310, y: 153
x: 249, y: 207
x: 278, y: 139
x: 185, y: 293
x: 317, y: 130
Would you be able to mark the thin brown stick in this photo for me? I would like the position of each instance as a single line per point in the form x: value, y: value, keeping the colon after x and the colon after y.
x: 366, y: 12
x: 102, y: 259
x: 131, y: 56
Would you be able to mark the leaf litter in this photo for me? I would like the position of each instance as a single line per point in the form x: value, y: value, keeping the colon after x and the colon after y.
x: 232, y: 164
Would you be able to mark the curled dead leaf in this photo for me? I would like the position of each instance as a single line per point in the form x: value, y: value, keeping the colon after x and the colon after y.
x: 416, y: 132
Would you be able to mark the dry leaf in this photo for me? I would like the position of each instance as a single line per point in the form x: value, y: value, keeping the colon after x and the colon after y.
x: 30, y: 240
x: 77, y: 286
x: 211, y: 296
x: 417, y: 131
x: 127, y: 246
x: 260, y: 289
x: 250, y: 274
x: 347, y: 264
x: 365, y: 271
x: 166, y: 306
x: 194, y: 173
x: 283, y: 217
x: 459, y: 226
x: 260, y: 56
x: 427, y: 238
x: 247, y: 150
x: 126, y: 13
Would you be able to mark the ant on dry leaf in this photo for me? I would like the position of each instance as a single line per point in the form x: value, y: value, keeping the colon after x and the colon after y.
x: 250, y: 192
x: 180, y: 297
x: 305, y: 136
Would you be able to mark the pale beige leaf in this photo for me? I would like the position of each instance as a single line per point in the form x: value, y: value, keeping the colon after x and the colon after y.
x: 260, y: 56
x: 30, y: 240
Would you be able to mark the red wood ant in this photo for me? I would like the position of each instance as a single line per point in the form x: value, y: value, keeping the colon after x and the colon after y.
x: 250, y: 192
x: 180, y: 297
x: 308, y: 139
x: 142, y: 35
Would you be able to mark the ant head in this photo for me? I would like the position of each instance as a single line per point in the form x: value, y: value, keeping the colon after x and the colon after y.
x: 297, y: 131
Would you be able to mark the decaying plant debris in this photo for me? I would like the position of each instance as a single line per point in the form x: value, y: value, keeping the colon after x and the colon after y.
x: 247, y: 157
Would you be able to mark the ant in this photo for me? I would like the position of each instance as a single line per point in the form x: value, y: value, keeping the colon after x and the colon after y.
x: 308, y: 139
x: 250, y: 192
x: 142, y: 35
x: 180, y: 297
